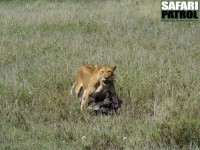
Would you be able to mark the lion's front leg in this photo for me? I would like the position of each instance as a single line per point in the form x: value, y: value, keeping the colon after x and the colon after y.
x: 85, y: 99
x: 98, y: 91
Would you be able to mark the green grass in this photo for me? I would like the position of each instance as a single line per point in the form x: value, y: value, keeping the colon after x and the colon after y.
x: 157, y: 76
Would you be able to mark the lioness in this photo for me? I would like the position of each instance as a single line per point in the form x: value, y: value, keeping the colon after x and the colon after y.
x: 94, y: 80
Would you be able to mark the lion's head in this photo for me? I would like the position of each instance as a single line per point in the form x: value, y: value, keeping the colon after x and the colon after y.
x: 106, y: 74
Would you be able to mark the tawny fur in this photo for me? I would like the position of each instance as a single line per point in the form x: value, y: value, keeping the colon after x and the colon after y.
x: 92, y: 80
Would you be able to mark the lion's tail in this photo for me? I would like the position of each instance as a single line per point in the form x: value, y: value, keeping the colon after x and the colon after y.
x: 72, y: 88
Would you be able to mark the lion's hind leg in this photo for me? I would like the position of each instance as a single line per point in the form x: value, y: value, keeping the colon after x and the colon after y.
x: 79, y: 91
x: 72, y: 88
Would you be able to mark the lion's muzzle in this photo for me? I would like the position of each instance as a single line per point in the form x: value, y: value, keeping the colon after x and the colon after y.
x: 106, y: 82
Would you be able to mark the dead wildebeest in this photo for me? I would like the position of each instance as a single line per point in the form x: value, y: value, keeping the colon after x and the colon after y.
x: 103, y: 103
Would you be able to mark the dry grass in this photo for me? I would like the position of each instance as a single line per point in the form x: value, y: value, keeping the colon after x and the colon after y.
x: 43, y: 42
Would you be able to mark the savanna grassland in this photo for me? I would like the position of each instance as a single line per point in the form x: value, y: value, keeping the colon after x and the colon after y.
x: 157, y: 76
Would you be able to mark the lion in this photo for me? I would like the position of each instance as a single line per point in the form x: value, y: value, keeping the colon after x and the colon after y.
x: 94, y: 80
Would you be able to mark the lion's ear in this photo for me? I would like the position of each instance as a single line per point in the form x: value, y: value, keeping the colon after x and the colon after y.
x: 114, y: 67
x: 97, y: 67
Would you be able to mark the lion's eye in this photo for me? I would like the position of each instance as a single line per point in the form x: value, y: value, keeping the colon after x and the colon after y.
x: 102, y: 71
